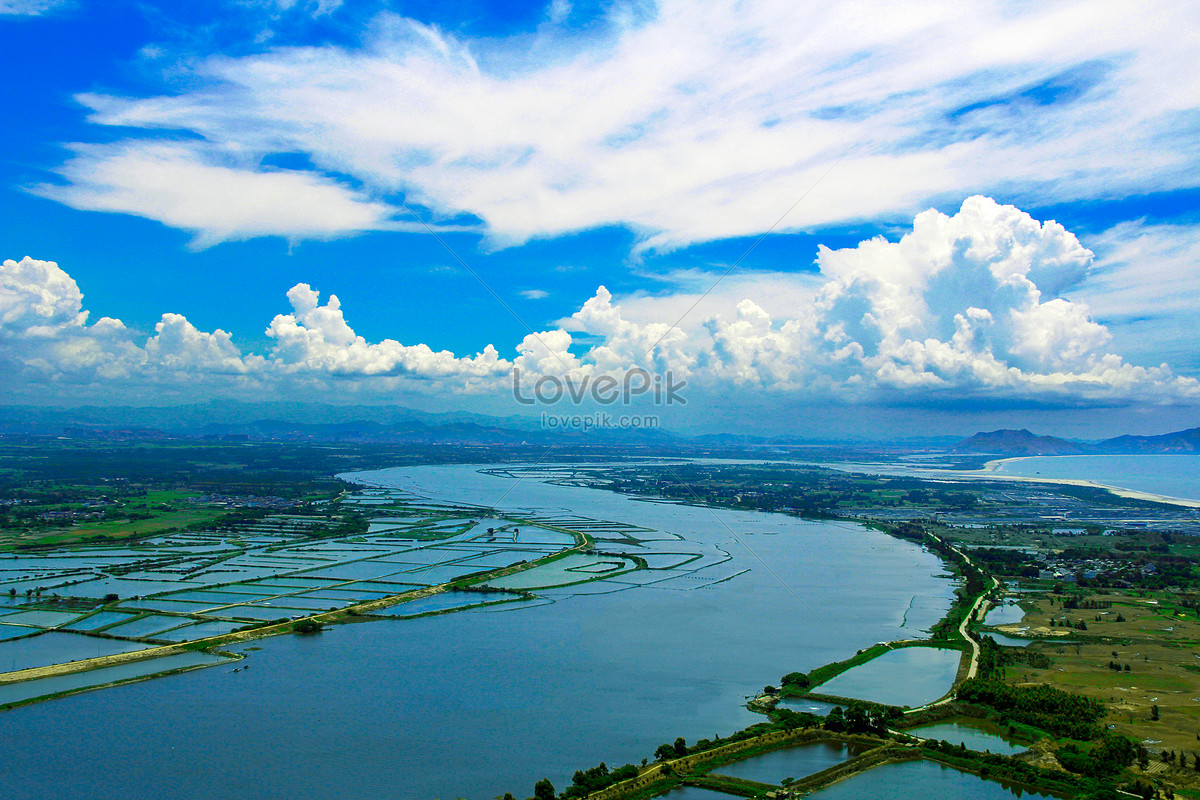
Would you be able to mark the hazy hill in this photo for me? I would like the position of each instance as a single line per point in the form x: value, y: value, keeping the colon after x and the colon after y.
x: 1024, y: 443
x: 313, y: 422
x: 1179, y: 442
x: 1018, y: 443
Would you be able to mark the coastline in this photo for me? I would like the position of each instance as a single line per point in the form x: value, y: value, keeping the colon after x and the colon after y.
x: 990, y: 471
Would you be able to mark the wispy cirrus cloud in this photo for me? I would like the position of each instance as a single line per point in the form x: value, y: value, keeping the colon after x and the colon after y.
x: 180, y: 186
x: 702, y: 120
x: 31, y: 8
x: 1144, y: 287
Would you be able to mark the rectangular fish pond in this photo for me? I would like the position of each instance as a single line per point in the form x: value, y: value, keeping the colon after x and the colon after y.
x: 905, y: 676
x: 790, y: 762
x: 444, y: 601
x: 974, y: 734
x: 28, y: 690
x: 58, y: 647
x: 920, y: 780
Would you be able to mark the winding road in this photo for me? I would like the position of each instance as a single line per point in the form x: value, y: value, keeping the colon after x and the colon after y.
x: 973, y: 666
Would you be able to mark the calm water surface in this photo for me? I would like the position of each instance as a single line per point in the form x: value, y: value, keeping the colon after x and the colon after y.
x: 476, y: 703
x: 975, y: 735
x: 693, y: 793
x: 794, y: 762
x: 1004, y: 614
x: 1008, y: 641
x: 1170, y: 475
x: 907, y: 676
x: 919, y: 780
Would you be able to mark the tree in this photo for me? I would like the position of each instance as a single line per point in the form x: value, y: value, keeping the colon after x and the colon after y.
x: 1154, y: 712
x: 856, y: 719
x: 664, y: 752
x: 797, y: 680
x: 680, y: 747
x: 543, y: 789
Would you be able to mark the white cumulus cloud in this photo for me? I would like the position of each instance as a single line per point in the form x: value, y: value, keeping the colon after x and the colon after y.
x: 315, y: 338
x: 975, y: 304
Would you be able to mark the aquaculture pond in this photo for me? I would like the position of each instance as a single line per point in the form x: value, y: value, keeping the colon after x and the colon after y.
x: 906, y: 676
x: 919, y: 780
x: 99, y: 620
x: 474, y: 704
x: 57, y: 647
x: 574, y: 568
x: 38, y: 618
x: 199, y: 630
x: 1004, y: 614
x: 1008, y: 641
x: 447, y: 600
x: 792, y: 762
x: 976, y: 735
x: 693, y: 793
x: 803, y: 704
x: 27, y: 690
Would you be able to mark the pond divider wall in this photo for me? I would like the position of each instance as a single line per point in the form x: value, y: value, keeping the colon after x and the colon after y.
x: 657, y: 778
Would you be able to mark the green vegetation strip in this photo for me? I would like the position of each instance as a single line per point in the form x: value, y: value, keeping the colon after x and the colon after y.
x: 739, y: 787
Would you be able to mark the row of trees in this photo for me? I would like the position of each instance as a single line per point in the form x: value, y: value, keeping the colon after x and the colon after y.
x: 862, y: 718
x: 1109, y: 757
x: 1006, y: 768
x: 586, y: 781
x: 1053, y: 710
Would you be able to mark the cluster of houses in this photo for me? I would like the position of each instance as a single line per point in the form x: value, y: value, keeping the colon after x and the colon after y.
x: 1070, y: 570
x: 270, y: 502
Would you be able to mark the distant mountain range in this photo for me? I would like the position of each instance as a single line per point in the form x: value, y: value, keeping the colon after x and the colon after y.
x: 314, y: 422
x: 1024, y: 443
x: 227, y: 420
x: 1179, y: 442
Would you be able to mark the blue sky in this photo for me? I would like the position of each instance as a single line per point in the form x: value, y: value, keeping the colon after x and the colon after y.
x: 955, y: 214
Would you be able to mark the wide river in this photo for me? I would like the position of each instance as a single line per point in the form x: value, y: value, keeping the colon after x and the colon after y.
x: 476, y: 703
